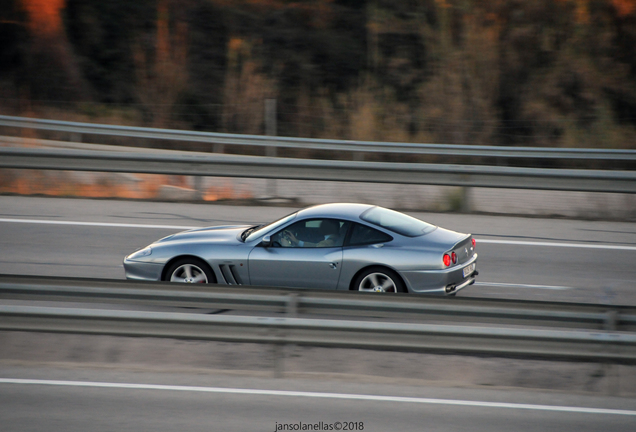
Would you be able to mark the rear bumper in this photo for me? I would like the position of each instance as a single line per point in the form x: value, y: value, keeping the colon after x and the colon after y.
x: 450, y: 289
x: 443, y: 282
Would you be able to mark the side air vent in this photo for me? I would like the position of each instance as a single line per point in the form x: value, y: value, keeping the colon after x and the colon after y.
x: 236, y: 275
x: 230, y: 274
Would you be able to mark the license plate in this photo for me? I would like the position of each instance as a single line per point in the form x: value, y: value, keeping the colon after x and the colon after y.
x: 468, y: 270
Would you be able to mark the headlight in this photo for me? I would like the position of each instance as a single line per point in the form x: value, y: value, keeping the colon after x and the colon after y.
x: 140, y: 253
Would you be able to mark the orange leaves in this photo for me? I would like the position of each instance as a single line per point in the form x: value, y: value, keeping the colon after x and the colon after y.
x: 624, y: 7
x: 44, y: 16
x: 225, y: 192
x: 89, y: 185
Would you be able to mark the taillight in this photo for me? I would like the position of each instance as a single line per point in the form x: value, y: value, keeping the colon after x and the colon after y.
x: 454, y: 257
x: 447, y: 260
x: 474, y: 242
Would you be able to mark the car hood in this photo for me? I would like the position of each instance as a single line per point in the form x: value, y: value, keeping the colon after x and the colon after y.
x: 215, y: 234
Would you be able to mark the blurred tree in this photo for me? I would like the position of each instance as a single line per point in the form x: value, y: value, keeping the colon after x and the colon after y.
x: 201, y: 103
x: 161, y: 70
x: 34, y: 40
x: 13, y: 37
x: 508, y: 72
x: 103, y: 35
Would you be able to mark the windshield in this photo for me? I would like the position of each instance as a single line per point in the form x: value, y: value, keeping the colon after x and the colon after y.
x: 252, y: 233
x: 396, y: 222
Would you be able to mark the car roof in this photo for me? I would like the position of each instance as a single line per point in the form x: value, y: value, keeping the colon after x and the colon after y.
x: 335, y: 210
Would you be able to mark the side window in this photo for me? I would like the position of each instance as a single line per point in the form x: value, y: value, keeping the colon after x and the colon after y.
x: 312, y: 233
x: 363, y: 235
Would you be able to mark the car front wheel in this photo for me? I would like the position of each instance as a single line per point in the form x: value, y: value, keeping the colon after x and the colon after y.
x: 189, y: 270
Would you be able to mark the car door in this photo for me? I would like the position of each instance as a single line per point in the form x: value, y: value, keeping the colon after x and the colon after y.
x: 365, y: 247
x: 309, y: 266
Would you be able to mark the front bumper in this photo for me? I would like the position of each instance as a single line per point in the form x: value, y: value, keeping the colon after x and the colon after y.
x: 139, y: 270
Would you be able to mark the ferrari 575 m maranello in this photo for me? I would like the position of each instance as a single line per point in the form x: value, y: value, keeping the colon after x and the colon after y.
x: 332, y: 246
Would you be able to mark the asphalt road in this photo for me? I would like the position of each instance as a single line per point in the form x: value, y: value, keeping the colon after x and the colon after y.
x: 37, y: 399
x: 521, y: 258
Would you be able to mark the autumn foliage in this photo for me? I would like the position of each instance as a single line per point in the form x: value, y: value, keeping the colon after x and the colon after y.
x: 504, y: 72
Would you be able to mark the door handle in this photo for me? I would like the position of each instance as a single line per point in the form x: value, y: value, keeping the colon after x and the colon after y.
x: 333, y: 265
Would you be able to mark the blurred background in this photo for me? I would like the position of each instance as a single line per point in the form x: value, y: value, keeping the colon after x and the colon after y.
x: 545, y: 73
x: 553, y: 74
x: 559, y: 73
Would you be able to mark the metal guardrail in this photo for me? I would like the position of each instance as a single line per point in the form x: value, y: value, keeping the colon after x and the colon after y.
x: 462, y: 336
x: 554, y: 344
x: 222, y: 165
x: 315, y: 144
x: 316, y: 302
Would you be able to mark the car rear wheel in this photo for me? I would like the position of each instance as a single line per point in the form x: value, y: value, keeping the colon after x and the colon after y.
x: 190, y: 270
x: 378, y: 279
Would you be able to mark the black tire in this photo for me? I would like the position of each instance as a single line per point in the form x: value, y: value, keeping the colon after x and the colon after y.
x: 378, y: 279
x: 189, y: 270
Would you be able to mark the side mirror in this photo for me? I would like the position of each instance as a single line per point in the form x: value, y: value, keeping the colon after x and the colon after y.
x: 267, y: 241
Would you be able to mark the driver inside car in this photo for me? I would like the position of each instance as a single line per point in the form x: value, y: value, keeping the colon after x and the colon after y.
x: 329, y: 229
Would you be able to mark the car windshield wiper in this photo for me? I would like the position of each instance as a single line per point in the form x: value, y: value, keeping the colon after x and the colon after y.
x: 249, y: 231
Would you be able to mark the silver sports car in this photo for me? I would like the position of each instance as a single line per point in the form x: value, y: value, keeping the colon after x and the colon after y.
x: 331, y: 246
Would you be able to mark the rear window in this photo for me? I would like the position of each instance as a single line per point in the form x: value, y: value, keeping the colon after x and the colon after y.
x: 396, y: 222
x: 363, y: 235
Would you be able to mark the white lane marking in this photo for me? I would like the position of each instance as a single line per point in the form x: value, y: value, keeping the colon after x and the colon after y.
x: 554, y: 244
x: 98, y: 224
x: 260, y: 392
x: 513, y: 285
x: 177, y: 227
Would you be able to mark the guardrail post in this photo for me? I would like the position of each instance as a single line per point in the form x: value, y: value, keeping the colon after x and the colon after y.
x: 270, y: 151
x: 611, y: 370
x: 466, y: 194
x: 292, y: 305
x: 198, y: 187
x: 280, y: 348
x: 76, y: 137
x: 278, y: 353
x: 611, y: 320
